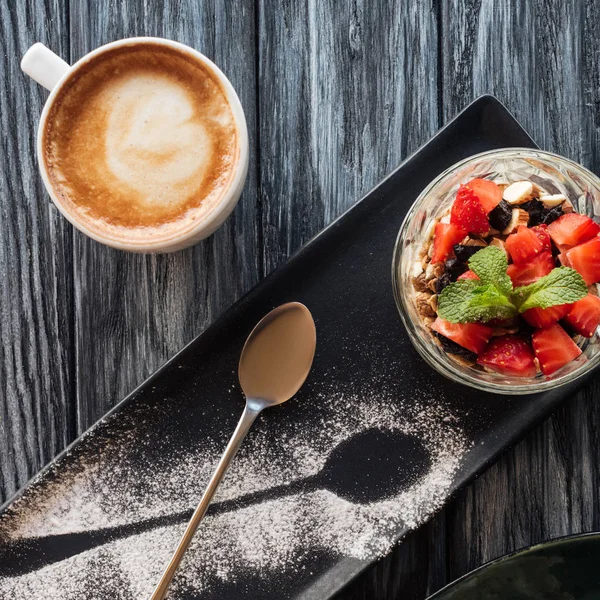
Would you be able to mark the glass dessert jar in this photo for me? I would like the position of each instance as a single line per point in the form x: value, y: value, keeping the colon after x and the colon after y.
x: 553, y: 173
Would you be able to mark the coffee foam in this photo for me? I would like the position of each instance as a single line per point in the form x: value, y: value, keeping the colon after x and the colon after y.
x: 141, y: 143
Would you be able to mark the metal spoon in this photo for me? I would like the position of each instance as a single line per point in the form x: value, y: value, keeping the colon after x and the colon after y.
x: 274, y: 364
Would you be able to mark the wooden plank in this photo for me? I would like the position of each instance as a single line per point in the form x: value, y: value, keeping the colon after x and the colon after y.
x: 36, y: 419
x: 133, y: 312
x: 540, y: 58
x: 346, y: 92
x: 532, y: 56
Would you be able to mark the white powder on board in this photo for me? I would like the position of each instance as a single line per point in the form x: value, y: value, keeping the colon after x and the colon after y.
x: 266, y: 538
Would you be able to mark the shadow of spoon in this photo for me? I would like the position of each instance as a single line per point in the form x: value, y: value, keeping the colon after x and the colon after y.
x: 368, y: 467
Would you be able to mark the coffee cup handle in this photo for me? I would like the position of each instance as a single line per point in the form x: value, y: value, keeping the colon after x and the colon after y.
x: 42, y: 65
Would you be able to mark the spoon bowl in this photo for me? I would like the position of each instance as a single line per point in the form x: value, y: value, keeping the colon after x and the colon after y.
x: 278, y: 354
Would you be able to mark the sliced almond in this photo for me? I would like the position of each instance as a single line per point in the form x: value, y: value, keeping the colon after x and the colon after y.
x: 567, y: 207
x: 552, y: 200
x: 434, y: 270
x: 498, y: 243
x: 518, y: 192
x: 473, y: 242
x: 417, y: 269
x: 523, y: 218
x: 433, y: 303
x: 514, y: 220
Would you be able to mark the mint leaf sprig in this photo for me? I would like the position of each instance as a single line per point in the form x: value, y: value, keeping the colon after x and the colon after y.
x: 493, y: 296
x: 561, y: 286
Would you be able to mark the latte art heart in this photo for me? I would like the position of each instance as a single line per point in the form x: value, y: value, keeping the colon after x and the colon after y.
x: 154, y: 141
x: 141, y: 143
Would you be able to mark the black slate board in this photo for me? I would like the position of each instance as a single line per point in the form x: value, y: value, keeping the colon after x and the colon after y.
x: 187, y: 410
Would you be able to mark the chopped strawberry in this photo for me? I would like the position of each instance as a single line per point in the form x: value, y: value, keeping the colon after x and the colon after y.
x: 585, y: 258
x: 542, y: 232
x: 472, y: 336
x: 445, y: 237
x: 468, y: 275
x: 468, y: 213
x: 488, y: 193
x: 509, y: 355
x: 564, y: 261
x: 531, y: 271
x: 554, y: 348
x: 572, y: 229
x: 584, y: 317
x: 523, y: 245
x: 544, y: 317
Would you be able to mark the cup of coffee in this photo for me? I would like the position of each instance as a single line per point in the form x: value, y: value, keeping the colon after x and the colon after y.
x: 142, y: 144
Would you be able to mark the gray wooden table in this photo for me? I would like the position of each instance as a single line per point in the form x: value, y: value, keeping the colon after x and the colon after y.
x: 336, y: 94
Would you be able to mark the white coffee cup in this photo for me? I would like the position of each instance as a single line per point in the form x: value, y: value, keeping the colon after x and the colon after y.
x: 50, y: 71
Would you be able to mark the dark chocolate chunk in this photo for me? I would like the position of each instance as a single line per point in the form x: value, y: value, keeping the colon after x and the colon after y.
x: 532, y: 205
x: 500, y: 216
x: 535, y: 209
x: 464, y: 253
x: 453, y: 348
x: 551, y: 214
x: 442, y: 281
x: 455, y: 267
x: 539, y: 214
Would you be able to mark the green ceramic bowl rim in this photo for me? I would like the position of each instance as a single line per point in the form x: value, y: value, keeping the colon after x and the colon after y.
x: 559, y: 541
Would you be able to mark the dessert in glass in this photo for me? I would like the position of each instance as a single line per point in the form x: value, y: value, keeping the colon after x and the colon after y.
x: 495, y: 271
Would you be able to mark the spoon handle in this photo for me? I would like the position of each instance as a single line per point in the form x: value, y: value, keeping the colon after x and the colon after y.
x: 251, y: 411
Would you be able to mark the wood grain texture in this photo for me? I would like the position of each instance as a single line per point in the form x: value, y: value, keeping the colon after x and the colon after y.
x: 133, y: 312
x: 534, y: 57
x: 338, y: 107
x: 335, y: 94
x: 36, y: 367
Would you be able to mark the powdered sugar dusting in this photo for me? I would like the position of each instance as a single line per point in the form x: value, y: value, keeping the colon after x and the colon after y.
x: 265, y: 537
